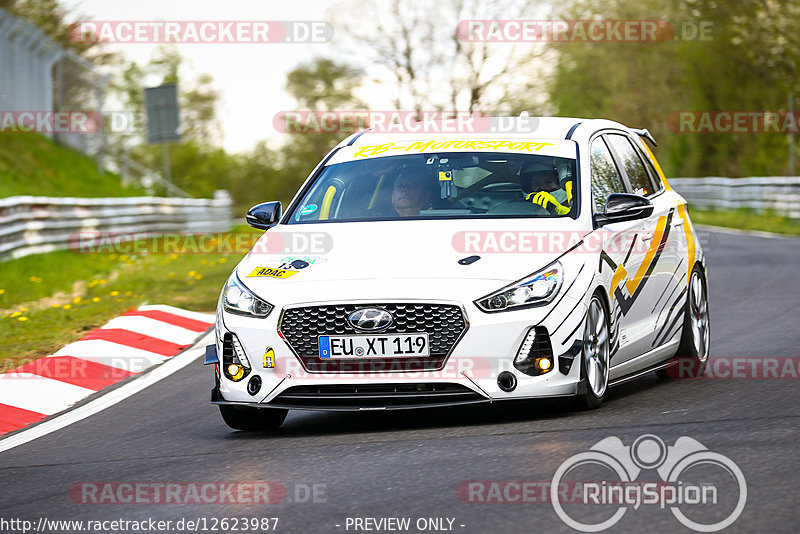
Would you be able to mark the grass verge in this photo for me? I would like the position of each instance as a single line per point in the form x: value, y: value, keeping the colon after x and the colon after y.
x: 31, y: 164
x: 49, y: 300
x: 746, y: 220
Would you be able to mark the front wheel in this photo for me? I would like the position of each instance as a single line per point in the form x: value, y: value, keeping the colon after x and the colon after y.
x: 692, y: 355
x: 595, y: 356
x: 250, y: 419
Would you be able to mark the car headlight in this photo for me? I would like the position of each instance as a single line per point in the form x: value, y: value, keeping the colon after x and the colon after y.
x: 236, y: 298
x: 539, y: 288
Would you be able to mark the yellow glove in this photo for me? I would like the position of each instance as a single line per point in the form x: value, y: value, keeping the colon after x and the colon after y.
x: 543, y: 198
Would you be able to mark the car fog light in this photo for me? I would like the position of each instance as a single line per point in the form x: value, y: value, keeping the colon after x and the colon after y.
x: 535, y: 354
x: 254, y: 385
x: 236, y: 366
x: 235, y: 372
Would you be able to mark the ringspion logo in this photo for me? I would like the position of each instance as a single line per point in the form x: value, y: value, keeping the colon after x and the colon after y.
x: 704, y: 490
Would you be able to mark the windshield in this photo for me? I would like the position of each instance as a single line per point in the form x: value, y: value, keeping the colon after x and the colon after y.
x: 443, y: 184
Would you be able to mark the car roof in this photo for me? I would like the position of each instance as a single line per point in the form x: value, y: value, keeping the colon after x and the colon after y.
x: 526, y: 127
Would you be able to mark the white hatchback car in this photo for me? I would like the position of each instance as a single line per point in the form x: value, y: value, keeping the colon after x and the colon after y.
x: 419, y: 270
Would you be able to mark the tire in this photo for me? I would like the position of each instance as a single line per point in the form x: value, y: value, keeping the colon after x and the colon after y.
x: 692, y: 355
x: 595, y: 356
x: 252, y: 419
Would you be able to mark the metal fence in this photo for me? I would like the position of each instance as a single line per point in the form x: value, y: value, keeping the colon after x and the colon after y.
x: 780, y: 194
x: 37, y: 75
x: 27, y: 57
x: 33, y: 225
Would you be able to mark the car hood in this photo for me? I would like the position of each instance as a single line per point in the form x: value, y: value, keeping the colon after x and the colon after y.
x: 406, y: 250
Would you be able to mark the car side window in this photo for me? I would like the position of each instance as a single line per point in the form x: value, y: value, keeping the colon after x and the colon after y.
x: 655, y: 179
x: 633, y: 165
x: 605, y: 175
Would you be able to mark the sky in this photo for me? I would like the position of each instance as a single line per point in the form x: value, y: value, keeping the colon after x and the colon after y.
x: 249, y: 77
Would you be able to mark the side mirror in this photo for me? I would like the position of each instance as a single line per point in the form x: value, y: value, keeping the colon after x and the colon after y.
x: 264, y: 216
x: 621, y: 207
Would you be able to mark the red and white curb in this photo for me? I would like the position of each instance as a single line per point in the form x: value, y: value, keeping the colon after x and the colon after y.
x: 125, y: 346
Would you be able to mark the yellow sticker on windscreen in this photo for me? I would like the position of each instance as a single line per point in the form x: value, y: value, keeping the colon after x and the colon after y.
x: 271, y: 273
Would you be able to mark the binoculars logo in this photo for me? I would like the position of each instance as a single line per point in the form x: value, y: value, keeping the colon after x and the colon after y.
x: 702, y: 506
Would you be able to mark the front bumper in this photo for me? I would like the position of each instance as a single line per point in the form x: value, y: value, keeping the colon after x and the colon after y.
x: 468, y: 375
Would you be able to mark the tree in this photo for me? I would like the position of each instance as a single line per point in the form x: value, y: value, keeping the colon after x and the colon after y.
x: 318, y: 85
x: 417, y: 45
x: 748, y: 64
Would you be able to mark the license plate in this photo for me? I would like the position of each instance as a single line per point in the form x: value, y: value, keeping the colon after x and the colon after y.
x: 382, y: 346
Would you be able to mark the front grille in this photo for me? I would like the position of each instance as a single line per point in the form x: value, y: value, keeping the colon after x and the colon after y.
x: 352, y: 396
x: 444, y: 324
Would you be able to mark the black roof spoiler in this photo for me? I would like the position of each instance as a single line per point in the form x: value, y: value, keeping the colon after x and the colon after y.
x: 644, y: 133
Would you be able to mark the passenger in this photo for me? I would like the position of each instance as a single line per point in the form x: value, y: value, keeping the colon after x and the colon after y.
x: 547, y: 191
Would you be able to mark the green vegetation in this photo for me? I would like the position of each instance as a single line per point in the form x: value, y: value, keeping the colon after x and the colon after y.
x: 745, y: 219
x: 49, y: 300
x: 725, y: 55
x: 30, y: 164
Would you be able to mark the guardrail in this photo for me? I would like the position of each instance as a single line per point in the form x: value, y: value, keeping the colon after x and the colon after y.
x: 780, y: 194
x: 33, y: 225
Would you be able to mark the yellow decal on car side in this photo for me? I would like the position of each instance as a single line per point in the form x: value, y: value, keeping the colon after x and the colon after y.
x: 689, y: 237
x: 654, y: 161
x: 619, y: 275
x: 634, y: 282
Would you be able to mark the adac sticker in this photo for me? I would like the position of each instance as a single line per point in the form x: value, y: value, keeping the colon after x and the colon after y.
x: 271, y: 273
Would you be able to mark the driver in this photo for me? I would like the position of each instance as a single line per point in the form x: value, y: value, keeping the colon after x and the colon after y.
x: 547, y: 192
x: 411, y: 193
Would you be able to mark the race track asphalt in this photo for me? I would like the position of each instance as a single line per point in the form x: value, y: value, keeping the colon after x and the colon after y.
x: 410, y: 464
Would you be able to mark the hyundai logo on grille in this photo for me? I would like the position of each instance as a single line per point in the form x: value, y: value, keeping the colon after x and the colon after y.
x: 370, y: 319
